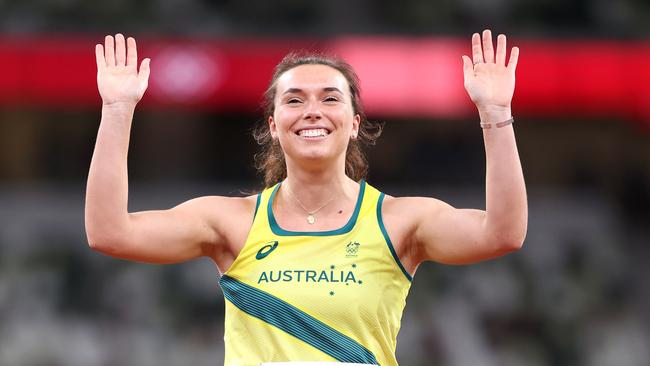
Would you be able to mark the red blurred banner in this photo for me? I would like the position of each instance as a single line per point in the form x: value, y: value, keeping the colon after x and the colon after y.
x: 400, y: 77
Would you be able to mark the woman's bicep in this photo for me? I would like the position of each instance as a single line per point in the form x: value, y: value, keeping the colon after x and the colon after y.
x: 184, y: 232
x: 167, y: 236
x: 450, y: 235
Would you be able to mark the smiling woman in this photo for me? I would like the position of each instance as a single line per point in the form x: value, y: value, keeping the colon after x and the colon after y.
x: 317, y: 267
x: 270, y: 161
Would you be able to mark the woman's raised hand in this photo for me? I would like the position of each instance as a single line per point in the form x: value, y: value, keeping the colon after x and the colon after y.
x: 118, y: 78
x: 489, y: 82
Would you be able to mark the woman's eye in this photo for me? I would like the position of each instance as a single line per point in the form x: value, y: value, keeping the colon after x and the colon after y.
x: 293, y: 101
x: 331, y: 99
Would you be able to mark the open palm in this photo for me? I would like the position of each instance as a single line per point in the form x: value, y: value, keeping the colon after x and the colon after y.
x: 488, y: 80
x: 118, y: 79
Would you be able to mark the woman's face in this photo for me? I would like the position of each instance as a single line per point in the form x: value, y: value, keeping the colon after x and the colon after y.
x: 313, y: 118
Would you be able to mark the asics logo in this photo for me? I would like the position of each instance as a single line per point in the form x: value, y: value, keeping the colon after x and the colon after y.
x: 266, y: 249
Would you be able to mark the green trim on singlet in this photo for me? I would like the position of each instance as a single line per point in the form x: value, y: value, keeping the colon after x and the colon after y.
x: 286, y: 317
x: 277, y: 230
x: 388, y: 242
x: 257, y: 204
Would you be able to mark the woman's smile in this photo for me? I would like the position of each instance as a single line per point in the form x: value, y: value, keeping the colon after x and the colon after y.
x: 313, y: 133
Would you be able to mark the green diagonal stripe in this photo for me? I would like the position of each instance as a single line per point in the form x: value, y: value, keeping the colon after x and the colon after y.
x: 294, y: 321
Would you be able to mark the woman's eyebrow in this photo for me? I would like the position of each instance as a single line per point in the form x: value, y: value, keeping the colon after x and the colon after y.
x: 299, y: 91
x: 292, y: 91
x: 332, y: 89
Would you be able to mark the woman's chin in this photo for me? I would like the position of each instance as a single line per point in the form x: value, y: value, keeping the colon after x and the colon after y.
x: 313, y: 157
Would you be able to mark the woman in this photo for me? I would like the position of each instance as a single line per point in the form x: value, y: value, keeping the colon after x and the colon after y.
x: 318, y: 265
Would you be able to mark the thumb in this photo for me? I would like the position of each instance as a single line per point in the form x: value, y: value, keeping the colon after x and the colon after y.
x: 143, y: 75
x: 468, y: 68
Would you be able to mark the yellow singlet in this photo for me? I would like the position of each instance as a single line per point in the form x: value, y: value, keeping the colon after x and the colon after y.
x: 333, y: 296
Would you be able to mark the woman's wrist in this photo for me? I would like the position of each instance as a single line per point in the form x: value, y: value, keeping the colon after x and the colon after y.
x: 494, y: 114
x: 119, y: 108
x: 119, y: 111
x: 123, y: 105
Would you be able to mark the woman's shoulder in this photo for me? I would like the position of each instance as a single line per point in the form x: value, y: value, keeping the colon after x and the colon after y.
x: 214, y: 201
x: 219, y: 209
x: 410, y: 206
x: 229, y: 217
x: 402, y: 217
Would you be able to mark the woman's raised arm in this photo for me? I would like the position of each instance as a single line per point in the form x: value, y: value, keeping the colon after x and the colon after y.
x: 187, y: 231
x: 442, y: 233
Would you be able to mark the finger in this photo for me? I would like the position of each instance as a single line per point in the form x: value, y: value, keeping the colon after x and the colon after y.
x: 143, y: 75
x: 468, y: 68
x: 477, y: 52
x: 488, y: 49
x: 501, y: 50
x: 109, y: 51
x: 120, y: 50
x: 99, y: 56
x: 132, y: 54
x: 514, y: 57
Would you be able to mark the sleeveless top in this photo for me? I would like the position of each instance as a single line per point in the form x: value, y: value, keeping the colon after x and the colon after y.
x: 333, y: 295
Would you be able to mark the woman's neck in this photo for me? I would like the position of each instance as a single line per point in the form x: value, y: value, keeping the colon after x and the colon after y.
x: 315, y: 187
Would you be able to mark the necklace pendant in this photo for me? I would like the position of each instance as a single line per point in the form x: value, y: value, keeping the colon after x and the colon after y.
x: 311, y: 219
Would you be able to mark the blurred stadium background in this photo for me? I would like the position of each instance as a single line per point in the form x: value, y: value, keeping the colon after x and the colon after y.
x: 576, y: 294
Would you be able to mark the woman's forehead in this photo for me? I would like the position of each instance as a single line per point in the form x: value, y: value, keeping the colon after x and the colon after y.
x: 312, y: 77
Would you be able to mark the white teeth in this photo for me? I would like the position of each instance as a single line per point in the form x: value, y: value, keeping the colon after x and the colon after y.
x: 314, y: 132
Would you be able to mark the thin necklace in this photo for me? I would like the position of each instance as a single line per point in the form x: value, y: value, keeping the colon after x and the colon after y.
x: 310, y: 214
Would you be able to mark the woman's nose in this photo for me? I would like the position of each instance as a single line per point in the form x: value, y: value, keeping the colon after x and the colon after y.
x: 312, y: 112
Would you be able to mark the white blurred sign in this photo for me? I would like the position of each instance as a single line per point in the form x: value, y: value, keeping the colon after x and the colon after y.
x: 185, y: 74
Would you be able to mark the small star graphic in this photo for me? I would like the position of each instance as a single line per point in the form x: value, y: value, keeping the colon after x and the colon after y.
x: 354, y: 265
x: 347, y: 284
x: 331, y: 293
x: 332, y: 266
x: 360, y: 282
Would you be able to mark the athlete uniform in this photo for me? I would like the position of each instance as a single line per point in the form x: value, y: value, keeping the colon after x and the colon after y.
x: 333, y: 295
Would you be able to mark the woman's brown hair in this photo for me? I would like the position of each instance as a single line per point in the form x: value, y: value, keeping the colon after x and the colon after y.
x: 270, y: 160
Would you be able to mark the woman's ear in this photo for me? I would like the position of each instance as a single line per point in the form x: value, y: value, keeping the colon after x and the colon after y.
x: 273, y: 128
x: 355, y: 127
